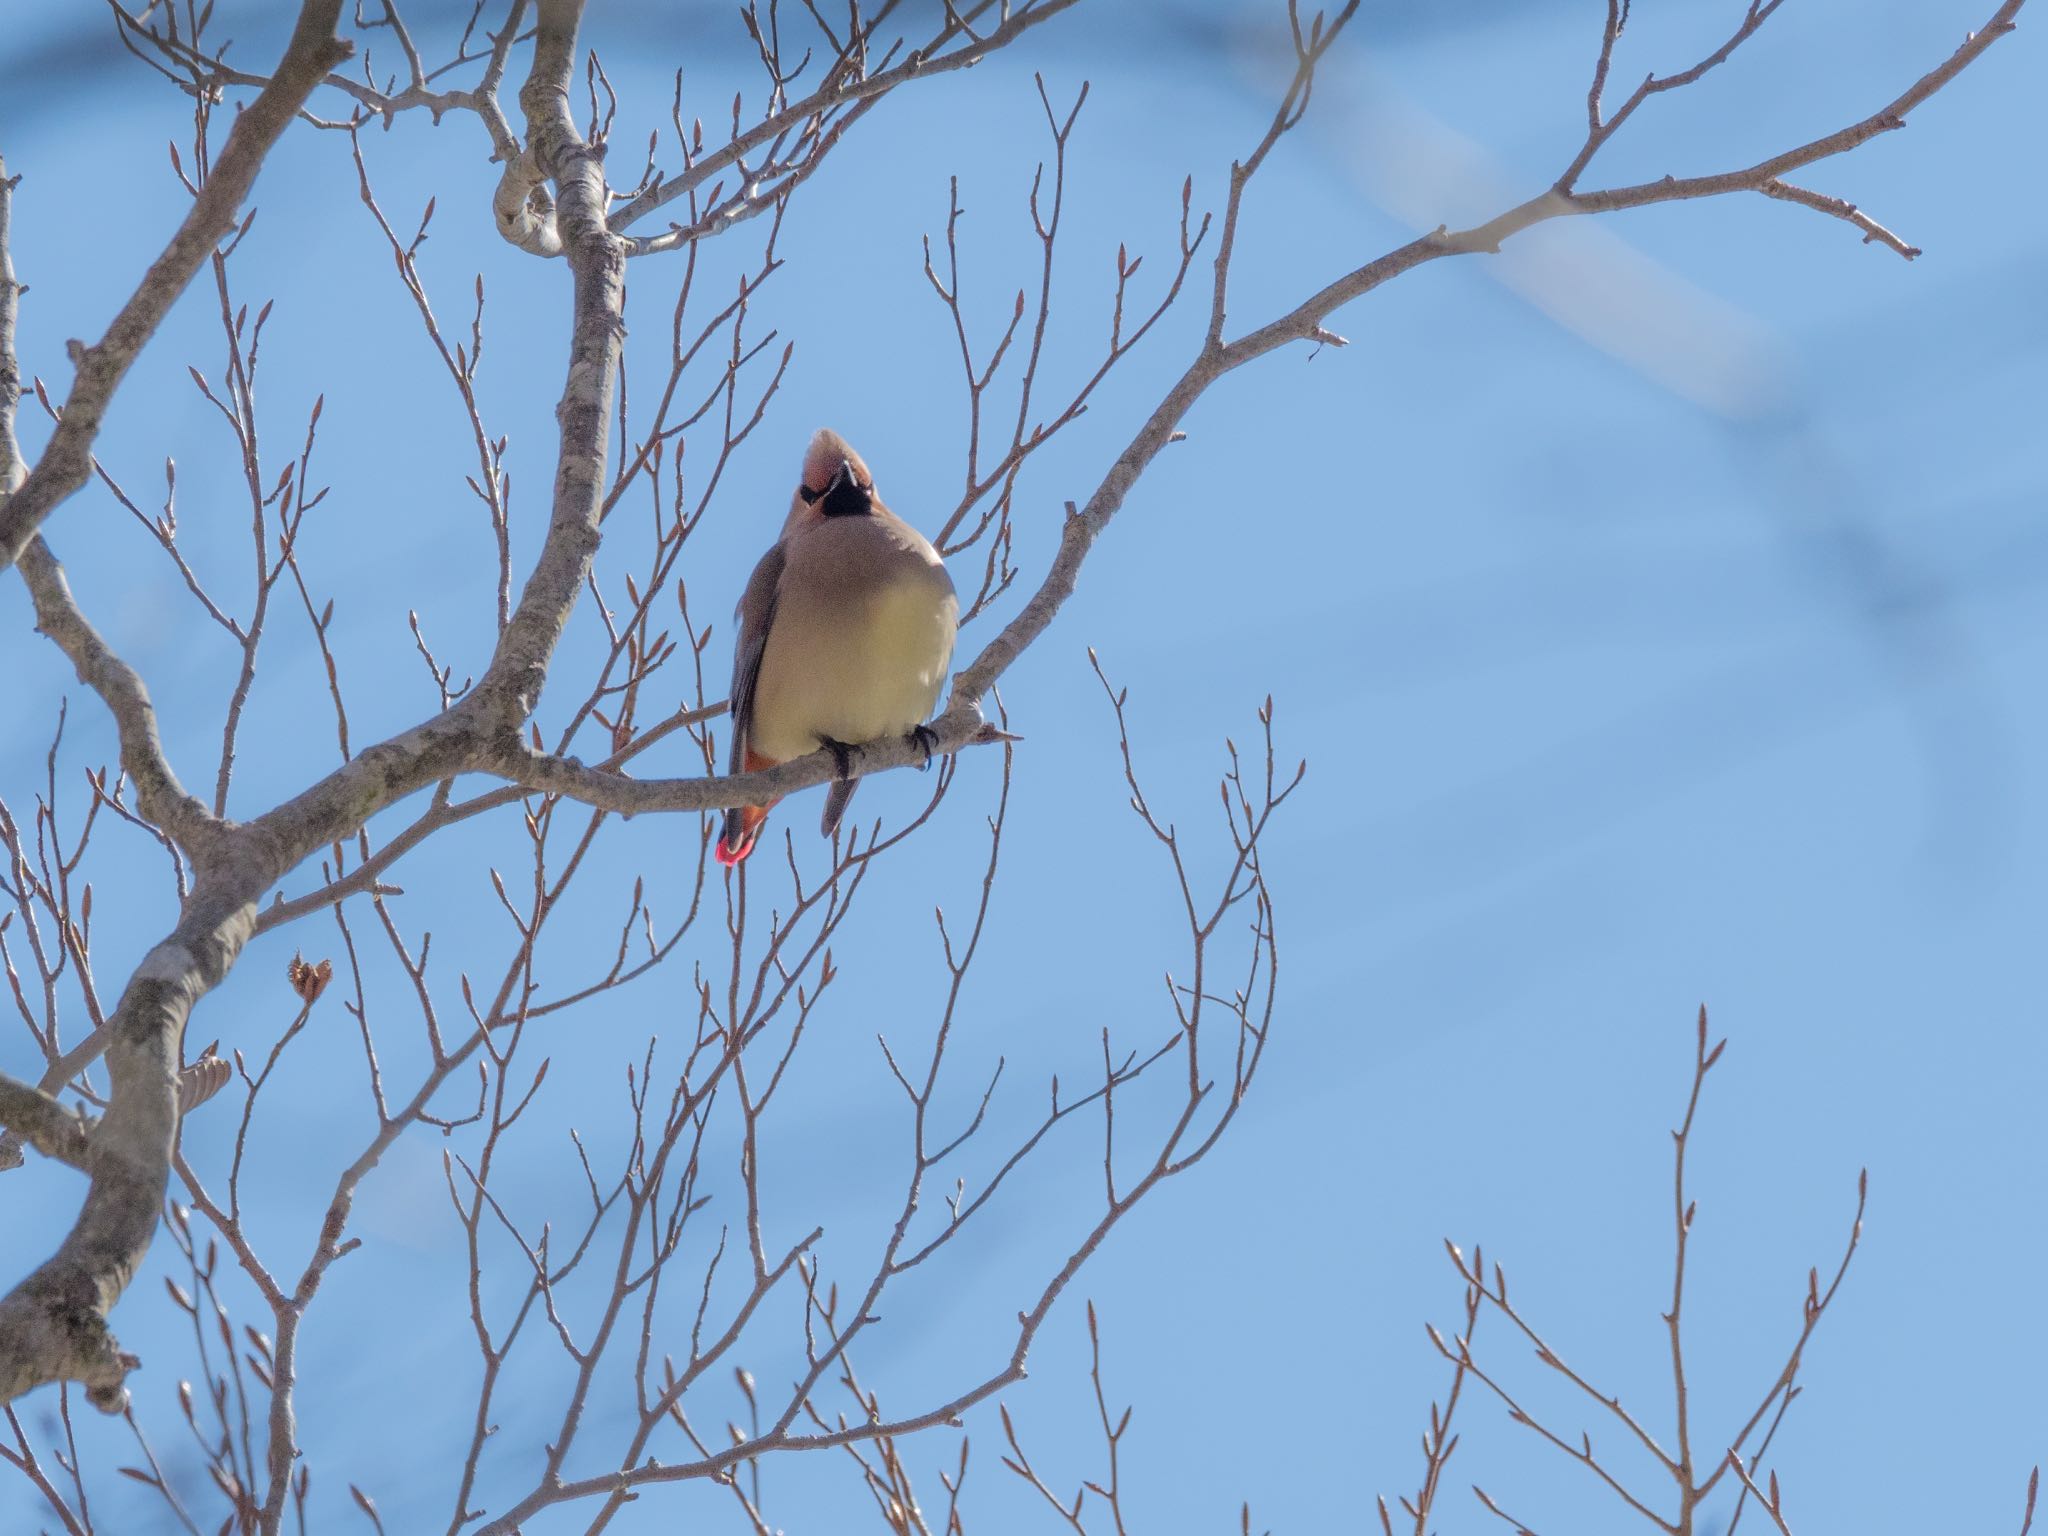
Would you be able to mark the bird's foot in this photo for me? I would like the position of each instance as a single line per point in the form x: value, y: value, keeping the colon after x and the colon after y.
x: 842, y: 757
x: 928, y: 740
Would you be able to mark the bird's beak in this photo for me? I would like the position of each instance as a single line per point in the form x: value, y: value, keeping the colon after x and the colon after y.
x: 844, y: 495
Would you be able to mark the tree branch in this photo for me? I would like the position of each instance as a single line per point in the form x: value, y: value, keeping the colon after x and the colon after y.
x: 66, y: 461
x: 829, y: 97
x: 961, y: 724
x: 160, y: 797
x: 483, y: 726
x: 12, y: 469
x: 53, y: 1326
x: 43, y: 1123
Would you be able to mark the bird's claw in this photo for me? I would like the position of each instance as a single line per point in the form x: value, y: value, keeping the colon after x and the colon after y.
x: 842, y: 757
x: 928, y: 740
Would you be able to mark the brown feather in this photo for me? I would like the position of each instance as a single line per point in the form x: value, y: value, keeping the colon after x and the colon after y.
x: 845, y: 632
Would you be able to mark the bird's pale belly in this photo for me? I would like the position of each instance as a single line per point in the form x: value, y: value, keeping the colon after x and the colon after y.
x: 876, y: 676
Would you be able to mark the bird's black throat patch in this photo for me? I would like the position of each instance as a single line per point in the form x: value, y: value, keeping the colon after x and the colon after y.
x: 847, y: 498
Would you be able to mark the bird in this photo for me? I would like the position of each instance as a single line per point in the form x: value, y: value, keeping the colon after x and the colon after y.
x: 845, y: 631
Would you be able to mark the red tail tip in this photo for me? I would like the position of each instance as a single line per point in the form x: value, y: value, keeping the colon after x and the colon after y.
x: 751, y: 819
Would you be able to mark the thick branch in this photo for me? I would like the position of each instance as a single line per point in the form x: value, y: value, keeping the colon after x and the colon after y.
x: 12, y: 469
x: 53, y: 1326
x: 511, y: 687
x: 66, y: 461
x: 32, y: 1117
x: 961, y: 724
x: 470, y: 734
x: 43, y: 1123
x: 159, y: 796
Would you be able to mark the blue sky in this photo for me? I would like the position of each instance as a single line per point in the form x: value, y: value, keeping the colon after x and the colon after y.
x: 1657, y: 607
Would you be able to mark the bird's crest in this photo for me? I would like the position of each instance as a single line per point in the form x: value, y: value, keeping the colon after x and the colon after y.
x: 822, y: 460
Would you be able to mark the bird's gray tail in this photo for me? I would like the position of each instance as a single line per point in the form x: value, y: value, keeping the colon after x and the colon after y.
x: 836, y: 801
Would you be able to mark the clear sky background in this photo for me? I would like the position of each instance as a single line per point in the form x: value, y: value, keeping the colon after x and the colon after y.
x: 1658, y: 607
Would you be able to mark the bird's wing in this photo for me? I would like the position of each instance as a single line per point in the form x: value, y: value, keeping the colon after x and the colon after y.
x: 756, y: 612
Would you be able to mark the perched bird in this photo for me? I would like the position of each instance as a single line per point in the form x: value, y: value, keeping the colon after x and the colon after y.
x: 845, y: 630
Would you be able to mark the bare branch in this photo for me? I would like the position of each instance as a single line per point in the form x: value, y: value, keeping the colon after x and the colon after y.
x: 927, y: 60
x: 734, y: 1029
x: 66, y: 461
x: 44, y: 1123
x: 53, y: 1324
